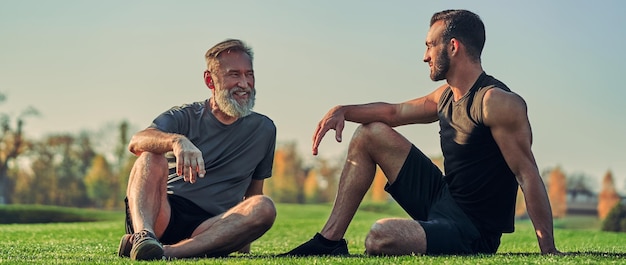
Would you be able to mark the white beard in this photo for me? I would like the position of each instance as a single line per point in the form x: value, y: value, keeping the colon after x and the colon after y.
x: 228, y: 104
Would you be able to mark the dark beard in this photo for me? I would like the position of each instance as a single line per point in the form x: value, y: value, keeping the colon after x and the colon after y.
x: 441, y: 66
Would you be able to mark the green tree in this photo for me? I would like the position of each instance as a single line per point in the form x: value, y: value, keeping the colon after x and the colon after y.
x: 12, y: 144
x: 76, y: 155
x: 124, y: 173
x: 100, y: 184
x: 41, y: 186
x: 616, y: 219
x: 329, y: 173
x: 58, y: 165
x: 124, y: 163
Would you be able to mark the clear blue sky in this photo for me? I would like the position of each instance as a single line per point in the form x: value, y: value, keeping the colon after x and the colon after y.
x: 84, y: 64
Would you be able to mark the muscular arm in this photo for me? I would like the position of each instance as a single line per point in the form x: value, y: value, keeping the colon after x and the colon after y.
x: 189, y: 161
x: 154, y: 141
x: 505, y: 113
x: 419, y: 110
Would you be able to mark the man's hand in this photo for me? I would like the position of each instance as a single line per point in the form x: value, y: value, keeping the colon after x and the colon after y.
x: 334, y: 119
x: 189, y: 161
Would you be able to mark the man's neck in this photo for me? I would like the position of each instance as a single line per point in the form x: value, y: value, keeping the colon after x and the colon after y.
x: 463, y: 78
x: 219, y: 114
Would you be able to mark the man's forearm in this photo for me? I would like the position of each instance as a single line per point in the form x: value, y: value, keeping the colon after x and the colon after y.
x: 540, y: 213
x: 152, y: 140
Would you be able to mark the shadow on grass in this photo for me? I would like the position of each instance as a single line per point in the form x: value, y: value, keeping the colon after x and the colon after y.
x: 534, y: 254
x: 573, y: 254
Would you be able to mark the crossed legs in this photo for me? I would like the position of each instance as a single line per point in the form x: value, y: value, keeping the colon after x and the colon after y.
x: 374, y: 144
x: 220, y: 235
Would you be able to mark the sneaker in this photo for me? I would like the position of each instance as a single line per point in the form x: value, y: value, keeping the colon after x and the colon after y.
x: 319, y: 246
x: 126, y: 244
x: 145, y: 246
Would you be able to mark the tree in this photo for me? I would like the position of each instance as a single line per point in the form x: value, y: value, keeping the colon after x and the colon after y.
x: 616, y: 219
x: 557, y: 192
x: 100, y: 184
x: 312, y: 187
x: 41, y: 186
x: 12, y: 144
x: 608, y: 197
x: 124, y: 173
x: 329, y: 176
x: 59, y: 164
x: 579, y: 185
x: 123, y: 165
x: 377, y: 192
x: 288, y: 176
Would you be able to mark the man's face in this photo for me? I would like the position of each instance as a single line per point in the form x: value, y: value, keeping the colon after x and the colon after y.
x: 436, y: 53
x: 234, y: 84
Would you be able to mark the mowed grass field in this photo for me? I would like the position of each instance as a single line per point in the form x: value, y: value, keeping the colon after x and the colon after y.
x: 97, y: 242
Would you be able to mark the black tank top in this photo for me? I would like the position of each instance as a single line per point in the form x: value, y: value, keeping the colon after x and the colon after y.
x: 477, y: 175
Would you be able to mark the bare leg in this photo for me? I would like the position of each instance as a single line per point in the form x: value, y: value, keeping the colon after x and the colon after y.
x: 228, y: 232
x: 372, y: 144
x: 396, y: 236
x: 147, y: 194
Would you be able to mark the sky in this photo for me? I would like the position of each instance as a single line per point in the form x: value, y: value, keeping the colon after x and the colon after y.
x: 85, y: 65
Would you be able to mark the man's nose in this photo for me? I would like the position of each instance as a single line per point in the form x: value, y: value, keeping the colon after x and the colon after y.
x: 426, y: 57
x: 245, y: 81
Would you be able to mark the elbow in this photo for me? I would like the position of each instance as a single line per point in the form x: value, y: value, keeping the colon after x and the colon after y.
x: 132, y: 146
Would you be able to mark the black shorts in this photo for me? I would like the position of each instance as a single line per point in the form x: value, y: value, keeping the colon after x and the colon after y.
x: 185, y: 217
x: 423, y: 194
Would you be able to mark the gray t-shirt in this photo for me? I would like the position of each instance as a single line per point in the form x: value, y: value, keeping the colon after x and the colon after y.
x: 233, y: 154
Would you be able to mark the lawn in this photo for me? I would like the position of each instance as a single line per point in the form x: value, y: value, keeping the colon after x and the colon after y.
x: 97, y: 242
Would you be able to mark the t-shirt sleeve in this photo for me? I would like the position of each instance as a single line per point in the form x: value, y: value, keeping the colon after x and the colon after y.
x: 264, y: 168
x: 171, y: 121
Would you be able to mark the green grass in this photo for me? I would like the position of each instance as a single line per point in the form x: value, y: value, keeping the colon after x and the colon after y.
x: 97, y: 242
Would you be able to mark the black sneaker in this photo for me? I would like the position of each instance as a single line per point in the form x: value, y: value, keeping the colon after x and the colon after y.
x: 145, y: 246
x: 319, y: 246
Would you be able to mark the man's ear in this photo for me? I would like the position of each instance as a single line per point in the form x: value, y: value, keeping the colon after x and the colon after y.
x: 208, y: 80
x: 454, y: 46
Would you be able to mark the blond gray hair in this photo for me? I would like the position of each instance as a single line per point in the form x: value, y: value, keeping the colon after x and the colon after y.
x: 229, y: 45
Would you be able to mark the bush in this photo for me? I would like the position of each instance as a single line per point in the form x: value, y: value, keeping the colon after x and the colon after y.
x: 30, y: 214
x: 616, y: 219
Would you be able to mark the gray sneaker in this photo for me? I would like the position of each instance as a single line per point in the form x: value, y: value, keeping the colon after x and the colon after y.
x: 145, y: 246
x: 126, y: 243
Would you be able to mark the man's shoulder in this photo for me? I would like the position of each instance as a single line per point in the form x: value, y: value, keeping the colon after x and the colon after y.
x: 198, y: 105
x: 194, y: 107
x: 492, y: 82
x: 263, y: 120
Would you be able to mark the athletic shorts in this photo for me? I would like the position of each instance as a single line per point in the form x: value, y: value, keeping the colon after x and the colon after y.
x: 423, y: 194
x: 185, y: 217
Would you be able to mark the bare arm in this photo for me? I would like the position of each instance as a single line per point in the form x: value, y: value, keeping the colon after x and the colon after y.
x: 505, y: 113
x: 419, y: 110
x: 189, y: 161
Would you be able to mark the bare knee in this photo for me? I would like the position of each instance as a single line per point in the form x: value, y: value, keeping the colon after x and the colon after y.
x: 394, y: 236
x: 149, y: 172
x: 263, y: 211
x: 379, y: 239
x: 371, y: 131
x: 149, y: 160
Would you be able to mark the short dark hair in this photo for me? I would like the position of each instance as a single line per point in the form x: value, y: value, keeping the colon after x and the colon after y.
x: 229, y: 45
x: 464, y: 26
